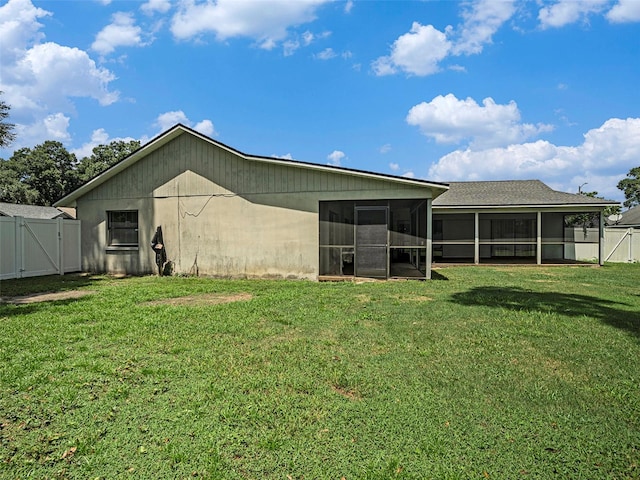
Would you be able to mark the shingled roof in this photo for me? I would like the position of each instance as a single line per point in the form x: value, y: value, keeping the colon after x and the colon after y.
x: 31, y: 211
x: 630, y: 217
x: 510, y: 193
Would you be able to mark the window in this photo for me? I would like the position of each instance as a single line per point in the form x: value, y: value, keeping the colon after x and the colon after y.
x: 122, y: 228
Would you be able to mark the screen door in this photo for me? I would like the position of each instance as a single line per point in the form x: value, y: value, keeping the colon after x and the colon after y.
x: 371, y: 242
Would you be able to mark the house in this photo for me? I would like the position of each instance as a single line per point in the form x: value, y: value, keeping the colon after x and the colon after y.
x: 629, y: 218
x: 516, y: 220
x: 229, y: 214
x: 226, y: 213
x: 32, y: 211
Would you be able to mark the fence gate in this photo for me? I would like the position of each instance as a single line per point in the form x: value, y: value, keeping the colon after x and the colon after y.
x: 32, y: 247
x: 622, y: 245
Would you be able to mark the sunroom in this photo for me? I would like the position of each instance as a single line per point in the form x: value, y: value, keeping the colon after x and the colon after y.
x: 375, y: 239
x: 516, y: 222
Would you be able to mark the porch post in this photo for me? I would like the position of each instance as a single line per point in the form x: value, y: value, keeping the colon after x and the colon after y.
x: 429, y: 240
x: 476, y: 238
x: 539, y: 237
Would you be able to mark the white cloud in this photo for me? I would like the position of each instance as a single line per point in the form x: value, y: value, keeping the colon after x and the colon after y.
x: 122, y: 32
x: 98, y: 137
x: 447, y: 119
x: 292, y: 44
x: 206, y: 128
x: 605, y: 156
x: 152, y: 6
x: 267, y: 25
x: 308, y: 37
x: 565, y: 12
x: 386, y: 148
x: 481, y: 20
x: 40, y: 79
x: 326, y: 54
x: 417, y: 52
x: 19, y: 27
x: 423, y: 48
x: 168, y: 119
x: 408, y: 174
x: 289, y: 47
x: 286, y: 156
x: 335, y: 158
x: 394, y: 167
x: 50, y: 127
x: 348, y: 6
x: 625, y: 11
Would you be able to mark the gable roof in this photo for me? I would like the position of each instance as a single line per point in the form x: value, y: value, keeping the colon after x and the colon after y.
x: 511, y: 193
x: 31, y: 211
x: 179, y: 129
x: 630, y: 217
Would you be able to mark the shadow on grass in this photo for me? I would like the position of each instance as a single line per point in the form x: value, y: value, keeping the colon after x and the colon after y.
x: 437, y: 276
x: 17, y: 309
x: 572, y: 305
x: 49, y: 283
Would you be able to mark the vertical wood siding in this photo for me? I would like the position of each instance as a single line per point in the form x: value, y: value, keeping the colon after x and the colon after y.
x: 215, y: 170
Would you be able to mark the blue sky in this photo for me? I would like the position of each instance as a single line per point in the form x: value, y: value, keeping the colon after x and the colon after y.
x: 438, y: 90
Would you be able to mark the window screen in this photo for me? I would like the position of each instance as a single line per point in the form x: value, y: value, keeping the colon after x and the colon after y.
x: 123, y: 228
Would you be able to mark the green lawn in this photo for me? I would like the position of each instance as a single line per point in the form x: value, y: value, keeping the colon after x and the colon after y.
x: 485, y: 372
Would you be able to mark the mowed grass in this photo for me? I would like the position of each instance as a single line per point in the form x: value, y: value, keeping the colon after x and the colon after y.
x: 484, y: 372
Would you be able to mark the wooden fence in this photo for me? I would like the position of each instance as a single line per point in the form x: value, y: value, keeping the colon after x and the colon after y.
x: 32, y: 247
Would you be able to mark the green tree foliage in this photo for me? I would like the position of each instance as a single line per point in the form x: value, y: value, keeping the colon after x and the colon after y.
x: 12, y: 190
x: 587, y: 220
x: 7, y: 135
x: 105, y: 156
x: 48, y: 170
x: 631, y: 187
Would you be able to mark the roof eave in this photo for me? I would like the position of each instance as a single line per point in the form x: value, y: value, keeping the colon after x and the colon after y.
x: 538, y: 205
x: 162, y: 139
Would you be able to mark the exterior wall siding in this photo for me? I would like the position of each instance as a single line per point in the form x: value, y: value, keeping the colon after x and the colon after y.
x: 221, y: 214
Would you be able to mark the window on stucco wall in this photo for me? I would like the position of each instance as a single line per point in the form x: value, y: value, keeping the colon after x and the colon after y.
x: 122, y: 228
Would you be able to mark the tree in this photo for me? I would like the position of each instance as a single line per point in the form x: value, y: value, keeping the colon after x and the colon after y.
x: 586, y: 220
x: 47, y: 169
x: 7, y: 135
x: 12, y: 190
x: 105, y: 156
x: 631, y: 187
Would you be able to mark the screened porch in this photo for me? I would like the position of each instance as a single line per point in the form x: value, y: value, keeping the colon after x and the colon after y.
x: 377, y: 239
x: 525, y: 237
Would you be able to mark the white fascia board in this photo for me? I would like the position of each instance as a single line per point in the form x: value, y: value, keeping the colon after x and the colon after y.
x: 507, y: 208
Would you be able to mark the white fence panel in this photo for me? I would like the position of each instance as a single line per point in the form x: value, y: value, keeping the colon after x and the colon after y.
x: 71, y: 257
x: 33, y: 247
x: 622, y: 245
x: 8, y: 248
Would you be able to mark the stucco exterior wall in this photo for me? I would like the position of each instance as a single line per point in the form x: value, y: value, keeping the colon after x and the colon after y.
x: 221, y: 214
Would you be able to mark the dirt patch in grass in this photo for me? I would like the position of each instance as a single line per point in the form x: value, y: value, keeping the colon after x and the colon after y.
x: 413, y: 298
x: 204, y: 299
x: 47, y: 297
x: 346, y: 392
